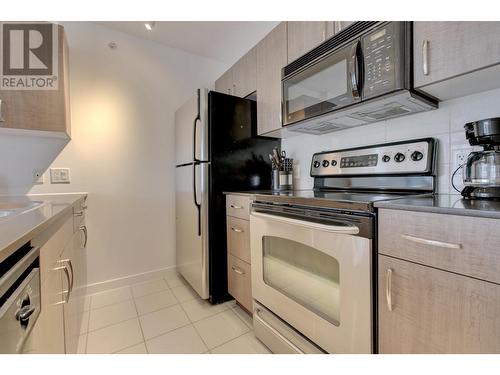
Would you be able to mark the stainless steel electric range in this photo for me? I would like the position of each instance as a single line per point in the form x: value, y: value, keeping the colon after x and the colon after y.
x: 313, y: 251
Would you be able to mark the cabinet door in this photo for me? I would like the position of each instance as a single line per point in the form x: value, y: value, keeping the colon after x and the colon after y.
x: 444, y: 50
x: 46, y: 110
x: 271, y: 58
x: 304, y: 36
x: 435, y: 311
x: 239, y: 282
x: 225, y: 83
x: 245, y: 74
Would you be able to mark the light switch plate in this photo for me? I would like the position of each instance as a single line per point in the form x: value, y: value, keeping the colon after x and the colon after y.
x: 59, y: 176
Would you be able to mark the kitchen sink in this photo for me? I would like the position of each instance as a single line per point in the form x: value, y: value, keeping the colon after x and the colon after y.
x: 10, y: 208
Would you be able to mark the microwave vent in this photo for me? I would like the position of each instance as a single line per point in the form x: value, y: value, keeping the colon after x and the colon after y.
x: 321, y: 127
x: 328, y: 46
x: 390, y: 110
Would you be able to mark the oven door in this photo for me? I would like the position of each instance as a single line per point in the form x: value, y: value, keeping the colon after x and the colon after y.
x: 316, y: 277
x: 329, y: 84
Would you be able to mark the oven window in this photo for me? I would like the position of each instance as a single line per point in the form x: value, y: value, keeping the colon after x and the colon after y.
x: 304, y: 274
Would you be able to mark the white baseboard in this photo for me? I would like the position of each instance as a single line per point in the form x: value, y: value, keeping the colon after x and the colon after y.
x: 130, y: 279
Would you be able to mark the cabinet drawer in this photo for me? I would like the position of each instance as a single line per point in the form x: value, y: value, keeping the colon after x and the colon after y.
x: 461, y: 244
x: 238, y: 238
x: 238, y: 206
x: 239, y: 281
x: 435, y: 311
x: 79, y: 215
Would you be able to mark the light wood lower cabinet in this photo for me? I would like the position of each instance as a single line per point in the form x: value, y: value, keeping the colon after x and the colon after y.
x: 238, y: 249
x: 426, y: 310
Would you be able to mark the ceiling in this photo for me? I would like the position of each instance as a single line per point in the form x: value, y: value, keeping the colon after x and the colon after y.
x: 222, y: 41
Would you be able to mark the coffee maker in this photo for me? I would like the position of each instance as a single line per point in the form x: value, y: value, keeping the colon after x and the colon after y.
x: 481, y: 172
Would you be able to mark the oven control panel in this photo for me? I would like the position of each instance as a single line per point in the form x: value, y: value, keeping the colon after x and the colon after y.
x: 391, y: 158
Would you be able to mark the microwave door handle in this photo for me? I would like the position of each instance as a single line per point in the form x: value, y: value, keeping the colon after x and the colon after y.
x: 354, y: 71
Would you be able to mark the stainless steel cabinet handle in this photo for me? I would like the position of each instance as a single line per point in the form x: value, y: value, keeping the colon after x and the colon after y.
x: 25, y: 312
x: 434, y: 243
x: 425, y: 57
x: 276, y: 332
x: 78, y: 213
x: 72, y: 279
x: 239, y: 271
x: 388, y: 289
x: 236, y: 207
x: 68, y: 292
x: 237, y: 230
x: 1, y: 112
x: 83, y: 228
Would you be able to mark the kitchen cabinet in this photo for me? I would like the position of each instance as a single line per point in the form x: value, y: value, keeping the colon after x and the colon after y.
x: 454, y: 59
x: 438, y: 284
x: 245, y: 74
x: 334, y: 27
x: 271, y: 58
x: 303, y: 36
x: 238, y: 249
x: 435, y: 311
x: 41, y: 110
x: 225, y: 83
x: 63, y: 286
x: 241, y: 79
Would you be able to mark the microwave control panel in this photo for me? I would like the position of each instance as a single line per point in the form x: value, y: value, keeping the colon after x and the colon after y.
x: 382, y: 52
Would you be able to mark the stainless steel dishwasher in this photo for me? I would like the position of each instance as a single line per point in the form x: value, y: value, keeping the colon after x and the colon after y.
x: 19, y: 297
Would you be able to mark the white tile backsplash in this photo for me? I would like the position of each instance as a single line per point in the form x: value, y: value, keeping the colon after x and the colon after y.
x: 445, y: 124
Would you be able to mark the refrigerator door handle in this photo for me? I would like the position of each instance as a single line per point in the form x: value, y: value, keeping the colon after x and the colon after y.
x: 195, y: 123
x: 195, y: 197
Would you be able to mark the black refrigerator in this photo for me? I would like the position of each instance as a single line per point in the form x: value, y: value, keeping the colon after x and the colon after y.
x: 217, y: 151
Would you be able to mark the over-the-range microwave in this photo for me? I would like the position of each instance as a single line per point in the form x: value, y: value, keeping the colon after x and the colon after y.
x: 361, y: 75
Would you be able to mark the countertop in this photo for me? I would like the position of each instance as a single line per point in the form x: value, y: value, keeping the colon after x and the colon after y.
x: 450, y: 204
x: 22, y: 227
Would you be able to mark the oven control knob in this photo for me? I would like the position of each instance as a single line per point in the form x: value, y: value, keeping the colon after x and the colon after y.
x: 386, y: 158
x: 316, y: 164
x: 399, y: 157
x: 326, y: 163
x: 334, y: 163
x: 416, y: 156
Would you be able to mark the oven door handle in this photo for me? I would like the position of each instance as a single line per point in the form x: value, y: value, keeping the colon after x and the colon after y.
x: 350, y: 229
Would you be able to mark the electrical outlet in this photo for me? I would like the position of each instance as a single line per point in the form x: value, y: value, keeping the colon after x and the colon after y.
x: 458, y: 158
x: 59, y: 176
x: 38, y: 178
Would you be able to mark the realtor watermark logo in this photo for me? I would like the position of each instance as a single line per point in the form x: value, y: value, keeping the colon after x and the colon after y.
x: 29, y: 56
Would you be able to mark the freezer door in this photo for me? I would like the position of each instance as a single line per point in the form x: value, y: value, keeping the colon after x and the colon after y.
x: 191, y: 130
x: 191, y: 196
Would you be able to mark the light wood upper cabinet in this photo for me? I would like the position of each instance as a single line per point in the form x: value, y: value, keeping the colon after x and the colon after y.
x: 245, y: 74
x: 444, y: 50
x: 225, y: 83
x: 46, y: 110
x: 304, y: 36
x: 334, y: 27
x: 435, y: 311
x: 271, y: 58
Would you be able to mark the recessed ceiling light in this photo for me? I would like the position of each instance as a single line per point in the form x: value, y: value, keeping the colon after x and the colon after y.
x: 150, y: 25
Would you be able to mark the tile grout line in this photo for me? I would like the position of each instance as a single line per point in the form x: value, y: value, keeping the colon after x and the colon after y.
x: 140, y: 325
x: 195, y: 329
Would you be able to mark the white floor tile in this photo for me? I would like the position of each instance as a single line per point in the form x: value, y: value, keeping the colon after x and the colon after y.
x: 149, y: 287
x: 246, y: 317
x: 110, y: 297
x: 184, y: 340
x: 246, y: 344
x: 163, y: 321
x: 113, y: 314
x: 154, y: 302
x: 198, y: 309
x: 184, y: 293
x: 175, y: 280
x: 115, y: 337
x: 220, y: 328
x: 136, y: 349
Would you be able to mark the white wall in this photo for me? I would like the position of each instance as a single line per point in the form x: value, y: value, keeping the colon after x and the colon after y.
x: 122, y: 147
x: 445, y: 124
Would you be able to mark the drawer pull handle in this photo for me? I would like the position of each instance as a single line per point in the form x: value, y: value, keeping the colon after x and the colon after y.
x: 78, y: 213
x: 425, y: 57
x: 236, y: 207
x: 237, y: 230
x: 388, y: 289
x: 239, y: 271
x: 434, y: 243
